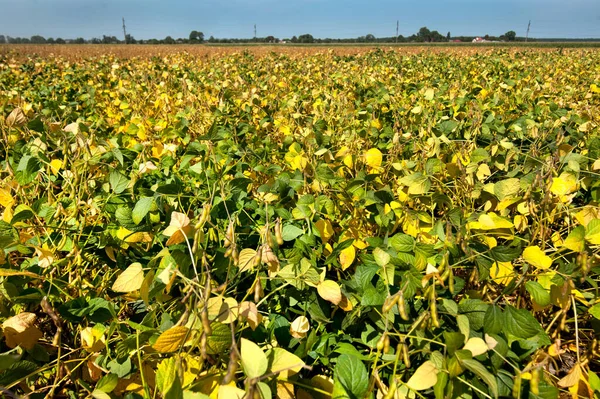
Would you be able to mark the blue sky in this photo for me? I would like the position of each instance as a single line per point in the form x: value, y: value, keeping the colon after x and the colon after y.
x: 322, y: 18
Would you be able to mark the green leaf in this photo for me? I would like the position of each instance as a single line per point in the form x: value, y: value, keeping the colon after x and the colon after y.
x: 454, y: 341
x: 520, y: 323
x: 546, y: 391
x: 505, y: 254
x: 264, y: 390
x: 493, y: 321
x: 352, y: 375
x: 402, y: 242
x: 592, y: 232
x: 480, y: 371
x: 219, y: 340
x: 254, y: 360
x: 118, y: 182
x: 107, y: 383
x: 595, y: 311
x: 167, y: 380
x: 594, y: 381
x: 539, y: 294
x: 291, y: 232
x: 27, y: 170
x: 381, y: 257
x: 17, y: 371
x: 475, y: 310
x: 142, y: 207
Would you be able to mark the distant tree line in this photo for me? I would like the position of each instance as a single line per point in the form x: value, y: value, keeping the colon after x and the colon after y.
x: 424, y: 35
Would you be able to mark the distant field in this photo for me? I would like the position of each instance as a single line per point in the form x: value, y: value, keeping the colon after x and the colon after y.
x: 299, y: 222
x: 142, y: 50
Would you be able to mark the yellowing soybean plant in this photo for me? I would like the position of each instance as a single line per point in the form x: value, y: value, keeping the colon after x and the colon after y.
x: 300, y: 224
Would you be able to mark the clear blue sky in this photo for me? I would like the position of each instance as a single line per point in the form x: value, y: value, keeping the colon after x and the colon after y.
x: 284, y: 18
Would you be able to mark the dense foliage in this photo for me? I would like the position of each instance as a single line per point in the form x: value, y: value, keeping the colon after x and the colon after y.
x: 373, y: 225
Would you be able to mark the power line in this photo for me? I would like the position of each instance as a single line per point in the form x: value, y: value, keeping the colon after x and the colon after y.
x: 124, y: 31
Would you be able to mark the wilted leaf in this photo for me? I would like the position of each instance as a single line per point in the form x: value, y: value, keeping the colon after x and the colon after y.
x: 21, y: 330
x: 249, y: 311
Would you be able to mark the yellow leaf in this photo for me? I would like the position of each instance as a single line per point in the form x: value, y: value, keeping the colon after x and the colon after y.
x: 502, y: 272
x: 130, y: 279
x: 284, y: 363
x: 491, y: 221
x: 230, y: 392
x: 324, y: 384
x: 55, y: 166
x: 192, y: 366
x: 228, y: 312
x: 325, y: 229
x: 483, y: 171
x: 92, y: 339
x: 21, y: 330
x: 172, y: 339
x: 45, y: 256
x: 565, y: 184
x: 299, y: 327
x: 246, y: 259
x: 373, y: 158
x: 295, y: 157
x: 131, y: 237
x: 424, y: 377
x: 477, y: 346
x: 347, y: 256
x: 575, y: 241
x: 6, y: 200
x: 254, y: 361
x: 586, y: 214
x: 330, y: 291
x: 536, y: 257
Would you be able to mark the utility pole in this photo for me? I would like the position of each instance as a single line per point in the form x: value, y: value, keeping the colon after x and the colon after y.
x: 255, y: 31
x: 124, y: 31
x: 527, y: 34
x: 397, y: 29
